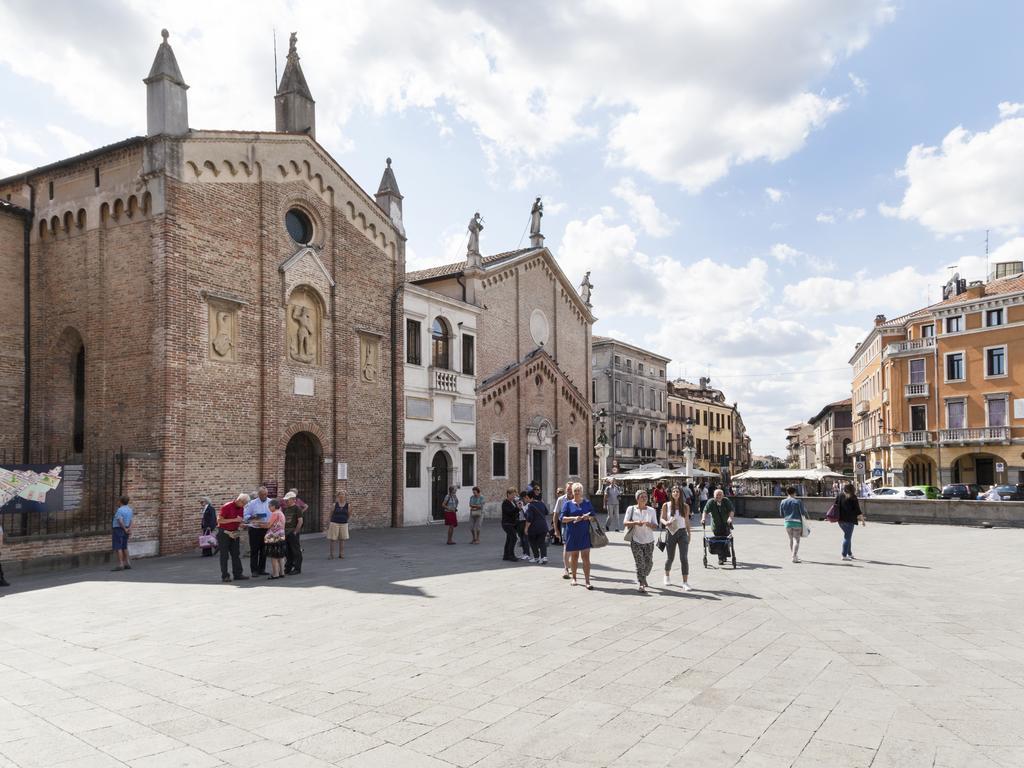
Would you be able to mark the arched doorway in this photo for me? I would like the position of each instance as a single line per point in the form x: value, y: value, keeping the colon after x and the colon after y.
x: 302, y: 463
x: 919, y: 470
x: 976, y: 468
x: 440, y: 471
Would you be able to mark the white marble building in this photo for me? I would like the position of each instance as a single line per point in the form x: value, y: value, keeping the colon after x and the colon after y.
x: 440, y: 402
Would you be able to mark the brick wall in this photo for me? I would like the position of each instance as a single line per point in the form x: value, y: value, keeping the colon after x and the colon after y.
x: 12, y: 360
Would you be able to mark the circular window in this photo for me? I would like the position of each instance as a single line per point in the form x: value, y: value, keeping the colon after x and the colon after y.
x: 299, y: 226
x: 539, y: 328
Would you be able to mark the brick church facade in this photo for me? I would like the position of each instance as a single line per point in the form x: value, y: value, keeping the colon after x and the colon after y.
x: 221, y: 305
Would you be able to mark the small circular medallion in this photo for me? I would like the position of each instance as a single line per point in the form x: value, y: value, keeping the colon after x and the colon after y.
x: 539, y: 327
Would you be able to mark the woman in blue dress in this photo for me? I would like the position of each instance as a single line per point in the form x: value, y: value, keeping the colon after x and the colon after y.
x: 576, y: 516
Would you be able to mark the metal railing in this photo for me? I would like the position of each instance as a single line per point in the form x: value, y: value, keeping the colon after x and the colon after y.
x: 82, y: 503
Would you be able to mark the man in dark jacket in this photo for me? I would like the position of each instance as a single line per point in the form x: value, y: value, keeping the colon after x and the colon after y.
x: 721, y: 512
x: 510, y: 524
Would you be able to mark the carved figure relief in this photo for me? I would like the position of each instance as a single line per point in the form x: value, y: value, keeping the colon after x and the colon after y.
x: 303, y: 324
x: 369, y: 357
x: 223, y: 333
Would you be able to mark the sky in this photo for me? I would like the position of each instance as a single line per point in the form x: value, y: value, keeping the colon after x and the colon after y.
x: 748, y: 182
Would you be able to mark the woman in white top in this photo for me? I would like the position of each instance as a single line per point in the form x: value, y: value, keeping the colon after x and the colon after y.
x: 675, y: 516
x: 641, y: 520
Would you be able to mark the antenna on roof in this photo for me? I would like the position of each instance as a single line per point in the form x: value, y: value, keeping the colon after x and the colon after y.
x: 275, y: 58
x: 986, y: 254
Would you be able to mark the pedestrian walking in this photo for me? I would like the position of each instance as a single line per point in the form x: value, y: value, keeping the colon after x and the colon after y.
x: 337, y: 529
x: 509, y: 524
x: 294, y: 512
x: 229, y: 520
x: 675, y: 516
x: 791, y: 509
x: 121, y: 530
x: 537, y: 529
x: 659, y: 496
x: 521, y: 502
x: 576, y: 516
x: 3, y: 581
x: 703, y: 494
x: 556, y: 524
x: 848, y: 506
x: 641, y: 523
x: 255, y: 517
x: 721, y: 512
x: 612, y: 492
x: 276, y: 540
x: 476, y: 514
x: 207, y: 526
x: 450, y: 507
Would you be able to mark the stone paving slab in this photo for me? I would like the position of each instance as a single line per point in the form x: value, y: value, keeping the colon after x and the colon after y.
x: 412, y: 653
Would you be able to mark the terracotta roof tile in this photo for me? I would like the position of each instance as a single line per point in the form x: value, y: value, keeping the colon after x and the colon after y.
x: 450, y: 270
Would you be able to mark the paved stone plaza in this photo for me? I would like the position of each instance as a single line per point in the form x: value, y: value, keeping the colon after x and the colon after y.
x: 410, y: 653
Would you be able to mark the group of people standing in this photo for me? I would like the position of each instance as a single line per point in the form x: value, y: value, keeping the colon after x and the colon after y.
x: 274, y: 530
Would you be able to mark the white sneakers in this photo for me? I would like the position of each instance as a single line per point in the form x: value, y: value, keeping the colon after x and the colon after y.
x: 525, y: 557
x: 543, y: 561
x: 667, y: 581
x: 796, y: 559
x: 687, y: 587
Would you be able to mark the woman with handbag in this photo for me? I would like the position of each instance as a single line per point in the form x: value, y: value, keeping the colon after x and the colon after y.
x: 276, y: 540
x: 641, y: 522
x: 207, y: 536
x: 576, y: 516
x: 675, y: 516
x: 791, y: 509
x: 848, y: 507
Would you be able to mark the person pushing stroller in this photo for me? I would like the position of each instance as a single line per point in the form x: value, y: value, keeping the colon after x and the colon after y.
x: 720, y: 509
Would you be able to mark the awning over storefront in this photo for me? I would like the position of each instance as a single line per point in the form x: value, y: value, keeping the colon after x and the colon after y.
x: 790, y: 474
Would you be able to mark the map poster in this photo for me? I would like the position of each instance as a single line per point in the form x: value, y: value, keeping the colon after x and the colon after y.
x: 31, y: 488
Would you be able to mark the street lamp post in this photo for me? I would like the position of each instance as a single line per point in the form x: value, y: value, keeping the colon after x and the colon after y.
x: 688, y: 451
x: 602, y: 448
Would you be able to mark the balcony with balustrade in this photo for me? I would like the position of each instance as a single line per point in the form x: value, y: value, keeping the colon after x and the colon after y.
x: 917, y: 437
x: 451, y: 382
x: 915, y: 390
x: 910, y: 347
x: 975, y: 435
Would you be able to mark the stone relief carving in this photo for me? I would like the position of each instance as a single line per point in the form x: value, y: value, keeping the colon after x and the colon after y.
x: 369, y: 357
x: 303, y: 322
x: 223, y: 332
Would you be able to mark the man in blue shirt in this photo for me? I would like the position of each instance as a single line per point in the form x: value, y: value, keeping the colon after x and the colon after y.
x: 121, y: 529
x: 256, y: 516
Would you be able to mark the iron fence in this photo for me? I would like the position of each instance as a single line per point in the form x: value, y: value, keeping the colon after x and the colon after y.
x: 82, y: 503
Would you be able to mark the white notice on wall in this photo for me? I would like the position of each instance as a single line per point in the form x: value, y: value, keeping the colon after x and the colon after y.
x: 1018, y: 408
x: 304, y: 386
x: 342, y: 470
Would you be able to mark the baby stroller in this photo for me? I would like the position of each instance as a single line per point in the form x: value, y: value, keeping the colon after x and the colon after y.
x: 722, y: 546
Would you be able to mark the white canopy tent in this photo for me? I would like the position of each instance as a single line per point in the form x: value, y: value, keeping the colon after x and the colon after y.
x: 765, y: 479
x: 655, y: 472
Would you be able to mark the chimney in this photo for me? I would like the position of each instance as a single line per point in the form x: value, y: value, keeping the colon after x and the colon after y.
x: 879, y: 319
x: 389, y: 198
x: 166, y: 102
x: 975, y: 290
x: 294, y: 108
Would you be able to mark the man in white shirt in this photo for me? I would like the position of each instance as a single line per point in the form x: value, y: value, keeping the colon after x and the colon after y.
x: 612, y: 492
x: 256, y: 516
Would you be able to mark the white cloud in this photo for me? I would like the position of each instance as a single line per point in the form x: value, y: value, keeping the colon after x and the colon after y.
x: 856, y: 214
x: 774, y: 195
x: 71, y: 142
x: 643, y: 210
x: 705, y: 92
x: 858, y: 83
x: 971, y: 182
x: 825, y: 218
x: 789, y: 255
x: 1009, y: 108
x: 833, y: 215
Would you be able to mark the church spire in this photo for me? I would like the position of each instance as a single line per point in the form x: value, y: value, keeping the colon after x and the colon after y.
x: 294, y: 108
x: 389, y: 198
x: 166, y: 102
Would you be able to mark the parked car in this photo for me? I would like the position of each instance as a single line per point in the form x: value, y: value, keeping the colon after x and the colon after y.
x: 1010, y: 492
x: 963, y: 491
x: 899, y: 492
x: 930, y: 491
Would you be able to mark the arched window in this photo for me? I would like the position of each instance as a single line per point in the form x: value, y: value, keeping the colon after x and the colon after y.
x: 441, y: 337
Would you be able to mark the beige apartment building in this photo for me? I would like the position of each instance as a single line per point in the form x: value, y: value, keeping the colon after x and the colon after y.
x: 719, y: 436
x: 833, y: 432
x: 937, y: 393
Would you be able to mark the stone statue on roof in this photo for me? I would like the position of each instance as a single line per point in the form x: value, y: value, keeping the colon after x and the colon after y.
x: 476, y: 224
x: 586, y: 287
x: 535, y: 216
